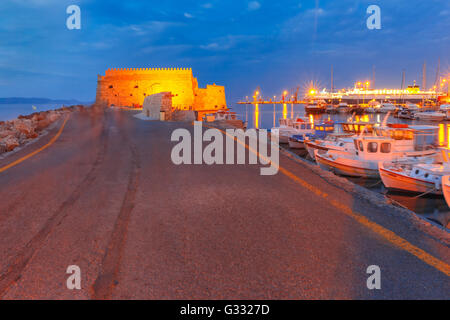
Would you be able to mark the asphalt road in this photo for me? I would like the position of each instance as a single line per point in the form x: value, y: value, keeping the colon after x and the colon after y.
x: 107, y: 198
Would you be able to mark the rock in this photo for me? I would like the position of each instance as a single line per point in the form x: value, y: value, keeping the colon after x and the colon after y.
x: 6, y: 132
x: 24, y: 126
x: 3, y: 148
x: 10, y: 143
x: 53, y: 116
x: 42, y: 124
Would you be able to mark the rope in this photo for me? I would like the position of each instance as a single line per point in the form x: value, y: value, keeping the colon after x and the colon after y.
x: 425, y: 193
x: 373, y: 185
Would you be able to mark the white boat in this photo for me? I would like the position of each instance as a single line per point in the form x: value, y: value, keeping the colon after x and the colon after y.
x: 334, y: 141
x: 446, y: 189
x: 343, y: 108
x: 412, y: 106
x: 340, y: 140
x: 301, y: 127
x: 393, y: 142
x: 372, y: 108
x: 286, y: 129
x: 387, y: 107
x: 444, y: 107
x: 419, y: 177
x: 430, y: 116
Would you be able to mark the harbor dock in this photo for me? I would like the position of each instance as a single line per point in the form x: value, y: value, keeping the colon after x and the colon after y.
x: 104, y: 195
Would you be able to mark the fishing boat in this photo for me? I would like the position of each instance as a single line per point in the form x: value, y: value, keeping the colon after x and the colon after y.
x: 331, y: 109
x: 446, y: 189
x: 320, y: 131
x: 418, y: 177
x: 286, y: 128
x: 334, y: 141
x: 406, y: 114
x: 430, y: 116
x: 444, y: 107
x: 412, y: 106
x: 315, y: 108
x: 390, y: 143
x: 339, y: 140
x: 387, y: 107
x: 302, y: 128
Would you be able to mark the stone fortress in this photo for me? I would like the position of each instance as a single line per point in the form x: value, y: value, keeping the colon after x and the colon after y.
x: 130, y: 86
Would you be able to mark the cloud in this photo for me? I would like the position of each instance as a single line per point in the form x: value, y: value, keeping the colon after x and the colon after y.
x: 207, y: 5
x: 228, y: 42
x: 253, y: 5
x: 188, y: 15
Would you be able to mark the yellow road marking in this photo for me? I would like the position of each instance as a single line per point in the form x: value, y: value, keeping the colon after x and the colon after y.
x: 385, y: 233
x: 38, y: 150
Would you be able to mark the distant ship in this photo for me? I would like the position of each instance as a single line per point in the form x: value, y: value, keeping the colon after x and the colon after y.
x: 361, y: 95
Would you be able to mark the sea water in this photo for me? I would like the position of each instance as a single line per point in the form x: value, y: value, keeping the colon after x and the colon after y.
x: 12, y: 111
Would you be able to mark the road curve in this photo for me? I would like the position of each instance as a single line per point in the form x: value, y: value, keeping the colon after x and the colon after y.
x: 106, y: 197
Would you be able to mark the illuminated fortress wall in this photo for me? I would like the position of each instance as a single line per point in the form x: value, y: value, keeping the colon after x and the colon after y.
x: 129, y: 87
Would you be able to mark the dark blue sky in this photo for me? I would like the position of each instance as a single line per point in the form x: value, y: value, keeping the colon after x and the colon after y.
x: 240, y: 44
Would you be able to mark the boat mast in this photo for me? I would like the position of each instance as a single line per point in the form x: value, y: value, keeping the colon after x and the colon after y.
x: 424, y: 76
x: 332, y: 79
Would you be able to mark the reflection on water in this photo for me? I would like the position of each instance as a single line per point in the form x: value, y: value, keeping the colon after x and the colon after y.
x: 256, y: 116
x: 266, y: 116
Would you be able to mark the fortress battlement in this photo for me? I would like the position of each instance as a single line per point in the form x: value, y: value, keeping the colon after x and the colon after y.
x: 128, y: 71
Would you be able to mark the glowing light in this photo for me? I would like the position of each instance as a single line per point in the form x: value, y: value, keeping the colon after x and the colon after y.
x: 284, y: 111
x: 311, y: 118
x: 448, y: 136
x: 441, y: 134
x: 312, y: 92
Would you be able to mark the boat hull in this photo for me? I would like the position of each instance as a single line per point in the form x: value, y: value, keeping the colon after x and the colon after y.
x: 294, y: 144
x: 446, y: 189
x: 429, y: 117
x: 396, y: 181
x: 311, y: 147
x: 340, y: 168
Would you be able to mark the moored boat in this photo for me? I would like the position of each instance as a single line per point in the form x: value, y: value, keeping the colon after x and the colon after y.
x: 418, y: 177
x: 446, y: 188
x: 315, y: 108
x: 430, y: 115
x: 390, y: 143
x: 286, y: 128
x: 343, y: 108
x: 302, y: 128
x: 387, y: 107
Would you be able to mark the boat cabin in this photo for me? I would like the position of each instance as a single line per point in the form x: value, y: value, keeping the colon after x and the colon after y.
x: 303, y: 126
x: 358, y: 127
x: 394, y: 140
x: 323, y: 129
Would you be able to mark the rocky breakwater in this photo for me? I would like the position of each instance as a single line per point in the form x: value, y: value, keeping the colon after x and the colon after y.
x: 17, y: 132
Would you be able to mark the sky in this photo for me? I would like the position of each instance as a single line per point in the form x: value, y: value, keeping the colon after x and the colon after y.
x: 276, y: 45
